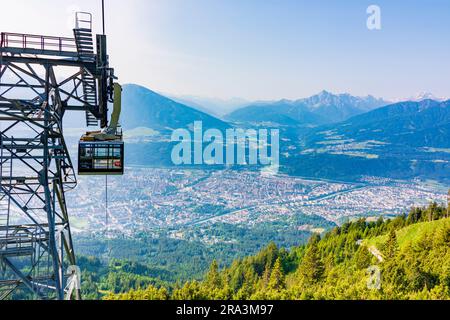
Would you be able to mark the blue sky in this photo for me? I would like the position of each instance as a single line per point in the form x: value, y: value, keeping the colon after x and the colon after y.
x: 263, y: 49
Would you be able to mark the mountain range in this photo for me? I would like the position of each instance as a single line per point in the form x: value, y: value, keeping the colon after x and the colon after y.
x: 322, y: 108
x: 142, y: 107
x: 213, y: 106
x: 324, y: 136
x: 424, y: 96
x: 423, y: 123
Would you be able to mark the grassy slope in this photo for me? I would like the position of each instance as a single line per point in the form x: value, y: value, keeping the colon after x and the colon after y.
x: 409, y: 235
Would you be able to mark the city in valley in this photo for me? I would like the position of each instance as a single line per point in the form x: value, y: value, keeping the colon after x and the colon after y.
x: 177, y: 201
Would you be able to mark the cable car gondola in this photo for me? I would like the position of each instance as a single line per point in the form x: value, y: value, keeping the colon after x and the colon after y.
x: 100, y: 157
x: 102, y: 152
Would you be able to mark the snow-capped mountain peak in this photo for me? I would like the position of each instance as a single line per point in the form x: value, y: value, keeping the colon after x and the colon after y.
x: 425, y: 96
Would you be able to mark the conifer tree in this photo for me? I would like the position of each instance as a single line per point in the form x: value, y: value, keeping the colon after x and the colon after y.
x: 277, y: 280
x: 312, y: 267
x: 266, y: 275
x: 391, y: 245
x: 448, y: 204
x: 213, y: 280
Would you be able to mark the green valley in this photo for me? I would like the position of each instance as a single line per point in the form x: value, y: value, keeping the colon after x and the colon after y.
x: 416, y: 265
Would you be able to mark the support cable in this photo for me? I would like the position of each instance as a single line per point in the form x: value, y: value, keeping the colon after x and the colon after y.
x: 108, y: 235
x: 106, y: 203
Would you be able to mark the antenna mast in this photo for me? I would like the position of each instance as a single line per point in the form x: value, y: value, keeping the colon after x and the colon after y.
x: 103, y: 16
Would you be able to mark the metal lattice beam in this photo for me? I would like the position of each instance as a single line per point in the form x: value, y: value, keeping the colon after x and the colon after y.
x: 36, y: 170
x: 36, y: 246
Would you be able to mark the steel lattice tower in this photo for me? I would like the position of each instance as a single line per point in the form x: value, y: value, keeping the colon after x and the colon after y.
x: 41, y: 78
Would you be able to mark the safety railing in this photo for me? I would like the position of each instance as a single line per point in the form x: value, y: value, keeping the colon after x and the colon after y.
x: 20, y: 239
x: 37, y: 42
x: 83, y: 20
x: 16, y: 244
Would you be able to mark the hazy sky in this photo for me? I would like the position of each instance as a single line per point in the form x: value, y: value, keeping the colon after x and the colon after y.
x: 262, y: 49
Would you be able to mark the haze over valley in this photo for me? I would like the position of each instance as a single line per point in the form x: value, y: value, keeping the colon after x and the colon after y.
x: 342, y: 157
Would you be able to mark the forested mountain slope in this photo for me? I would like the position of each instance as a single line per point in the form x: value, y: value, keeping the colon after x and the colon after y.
x: 415, y: 264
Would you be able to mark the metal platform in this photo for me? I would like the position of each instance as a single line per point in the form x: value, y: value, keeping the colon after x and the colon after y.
x: 16, y: 43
